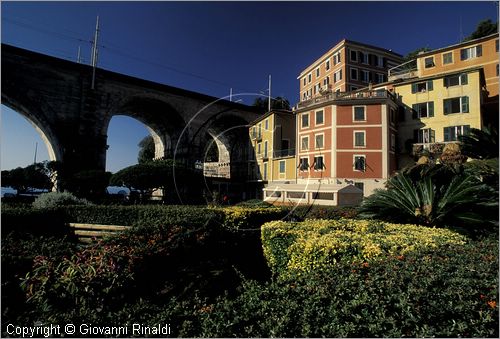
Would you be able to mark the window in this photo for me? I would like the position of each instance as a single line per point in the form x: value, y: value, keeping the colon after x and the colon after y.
x: 424, y: 136
x: 363, y: 57
x: 456, y: 105
x: 471, y: 52
x: 354, y: 56
x: 393, y: 142
x: 265, y: 149
x: 259, y: 148
x: 319, y: 141
x: 326, y: 81
x: 304, y: 164
x: 265, y: 171
x: 336, y: 58
x: 354, y: 74
x: 365, y: 76
x: 304, y: 81
x: 359, y: 139
x: 266, y: 125
x: 296, y: 195
x: 319, y: 118
x: 455, y: 80
x: 282, y: 166
x: 309, y: 78
x: 359, y: 113
x: 380, y: 78
x: 260, y: 131
x: 359, y: 163
x: 337, y: 76
x: 380, y: 62
x: 375, y: 59
x: 447, y: 58
x: 305, y: 120
x: 304, y: 144
x: 317, y: 72
x: 497, y: 67
x: 322, y: 195
x: 429, y: 62
x: 353, y: 88
x: 496, y: 45
x: 327, y: 65
x: 423, y: 110
x: 318, y: 163
x: 451, y: 133
x: 421, y: 87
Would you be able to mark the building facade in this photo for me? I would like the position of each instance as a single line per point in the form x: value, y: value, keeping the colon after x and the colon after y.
x: 347, y: 66
x: 272, y: 149
x: 447, y: 92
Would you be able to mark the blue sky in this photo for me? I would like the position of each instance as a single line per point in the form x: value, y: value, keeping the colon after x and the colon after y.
x: 211, y: 47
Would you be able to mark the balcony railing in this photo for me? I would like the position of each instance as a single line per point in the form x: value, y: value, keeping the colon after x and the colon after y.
x: 217, y: 169
x: 354, y: 95
x: 404, y: 71
x: 284, y: 153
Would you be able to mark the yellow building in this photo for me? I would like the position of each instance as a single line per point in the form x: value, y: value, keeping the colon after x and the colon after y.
x: 272, y: 153
x: 447, y: 92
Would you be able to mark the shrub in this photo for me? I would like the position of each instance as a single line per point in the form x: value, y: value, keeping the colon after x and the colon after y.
x: 302, y: 212
x: 49, y: 222
x: 237, y: 218
x: 311, y: 245
x: 57, y: 199
x: 450, y: 292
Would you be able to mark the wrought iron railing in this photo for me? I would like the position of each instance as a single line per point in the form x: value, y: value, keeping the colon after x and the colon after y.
x: 354, y: 95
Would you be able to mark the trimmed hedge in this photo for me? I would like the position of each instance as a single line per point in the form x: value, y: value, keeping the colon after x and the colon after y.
x: 317, y: 244
x: 448, y: 292
x: 23, y: 220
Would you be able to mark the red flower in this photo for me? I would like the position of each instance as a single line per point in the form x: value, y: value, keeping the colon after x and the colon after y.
x: 492, y: 303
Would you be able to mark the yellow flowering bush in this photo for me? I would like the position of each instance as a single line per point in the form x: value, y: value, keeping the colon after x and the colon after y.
x: 316, y: 244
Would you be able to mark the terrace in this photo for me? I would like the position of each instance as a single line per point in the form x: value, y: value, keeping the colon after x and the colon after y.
x: 347, y: 96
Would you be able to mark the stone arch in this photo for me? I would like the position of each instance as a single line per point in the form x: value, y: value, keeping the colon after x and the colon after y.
x: 162, y: 121
x: 37, y: 119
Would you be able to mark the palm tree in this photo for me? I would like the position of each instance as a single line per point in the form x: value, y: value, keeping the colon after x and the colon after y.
x: 434, y: 196
x: 480, y: 144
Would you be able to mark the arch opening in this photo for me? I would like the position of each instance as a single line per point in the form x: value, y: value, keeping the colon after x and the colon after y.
x: 17, y: 129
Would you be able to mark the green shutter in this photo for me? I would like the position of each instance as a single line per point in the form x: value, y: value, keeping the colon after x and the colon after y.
x: 445, y: 82
x: 414, y: 88
x: 446, y: 132
x: 479, y: 50
x: 414, y: 113
x: 466, y: 129
x: 463, y: 79
x: 429, y: 85
x: 430, y: 108
x: 446, y: 106
x: 432, y: 136
x: 465, y: 104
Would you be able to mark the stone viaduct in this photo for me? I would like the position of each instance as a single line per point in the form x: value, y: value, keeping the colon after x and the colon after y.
x: 55, y: 95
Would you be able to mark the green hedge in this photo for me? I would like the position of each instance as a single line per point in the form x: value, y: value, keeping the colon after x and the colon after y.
x: 317, y: 244
x: 26, y: 220
x: 450, y: 292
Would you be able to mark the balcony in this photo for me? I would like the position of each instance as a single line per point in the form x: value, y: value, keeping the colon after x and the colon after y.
x: 343, y: 96
x: 284, y: 153
x: 217, y: 169
x: 404, y: 71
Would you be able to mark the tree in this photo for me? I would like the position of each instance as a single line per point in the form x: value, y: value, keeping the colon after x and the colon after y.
x: 484, y: 28
x: 276, y: 103
x: 147, y: 151
x: 32, y: 176
x: 414, y: 54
